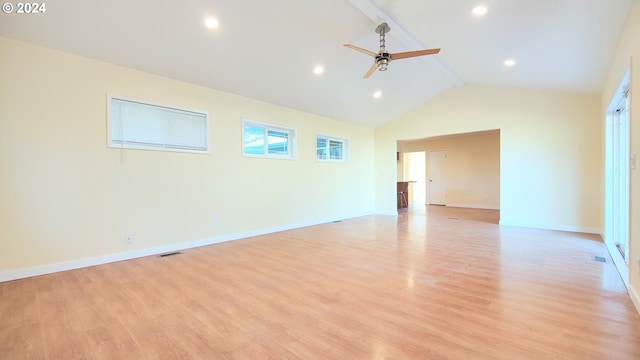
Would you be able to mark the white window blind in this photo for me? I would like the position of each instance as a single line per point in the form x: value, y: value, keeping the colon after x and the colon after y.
x: 141, y: 125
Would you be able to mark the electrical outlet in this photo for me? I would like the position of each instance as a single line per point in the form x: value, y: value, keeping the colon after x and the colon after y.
x: 216, y: 221
x: 128, y: 239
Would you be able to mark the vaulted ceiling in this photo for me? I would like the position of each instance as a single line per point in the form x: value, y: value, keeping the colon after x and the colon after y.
x: 267, y: 50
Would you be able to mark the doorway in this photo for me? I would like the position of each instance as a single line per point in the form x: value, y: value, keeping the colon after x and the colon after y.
x: 415, y: 171
x: 617, y: 173
x: 460, y: 170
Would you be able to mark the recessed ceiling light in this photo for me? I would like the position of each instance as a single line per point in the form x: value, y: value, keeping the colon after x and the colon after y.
x: 479, y: 10
x: 318, y: 70
x: 377, y: 94
x: 211, y: 23
x: 509, y: 62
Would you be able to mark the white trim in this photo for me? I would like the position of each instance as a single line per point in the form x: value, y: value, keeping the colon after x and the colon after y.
x: 635, y: 299
x: 570, y: 228
x: 486, y: 207
x: 21, y: 273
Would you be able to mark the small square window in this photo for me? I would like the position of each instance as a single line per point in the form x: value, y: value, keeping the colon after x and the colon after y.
x: 263, y: 140
x: 329, y: 148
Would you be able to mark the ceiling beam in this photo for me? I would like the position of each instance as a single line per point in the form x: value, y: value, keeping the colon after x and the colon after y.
x: 373, y: 12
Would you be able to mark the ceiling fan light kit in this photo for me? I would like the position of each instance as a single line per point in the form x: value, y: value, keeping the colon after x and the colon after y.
x: 382, y: 58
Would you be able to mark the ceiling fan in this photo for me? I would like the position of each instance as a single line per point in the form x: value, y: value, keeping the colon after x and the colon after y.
x: 382, y: 58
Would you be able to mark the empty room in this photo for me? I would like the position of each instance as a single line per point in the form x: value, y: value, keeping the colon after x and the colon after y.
x: 346, y: 179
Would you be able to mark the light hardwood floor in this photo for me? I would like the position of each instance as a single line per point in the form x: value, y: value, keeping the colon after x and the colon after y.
x: 442, y: 284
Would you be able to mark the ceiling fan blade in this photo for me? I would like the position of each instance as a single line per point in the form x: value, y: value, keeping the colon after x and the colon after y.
x: 364, y: 51
x: 408, y: 54
x: 372, y: 69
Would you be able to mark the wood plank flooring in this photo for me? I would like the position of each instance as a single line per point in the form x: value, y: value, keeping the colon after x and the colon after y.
x: 444, y: 283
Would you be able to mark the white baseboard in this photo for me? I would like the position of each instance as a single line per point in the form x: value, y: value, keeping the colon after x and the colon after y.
x: 635, y: 299
x: 570, y: 228
x: 486, y: 207
x: 22, y: 273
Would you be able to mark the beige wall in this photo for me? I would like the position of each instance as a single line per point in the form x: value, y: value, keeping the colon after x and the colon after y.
x: 627, y: 56
x: 550, y: 151
x: 66, y: 196
x: 472, y: 169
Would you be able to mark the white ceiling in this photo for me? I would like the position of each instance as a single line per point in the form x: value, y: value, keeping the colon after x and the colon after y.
x: 267, y: 49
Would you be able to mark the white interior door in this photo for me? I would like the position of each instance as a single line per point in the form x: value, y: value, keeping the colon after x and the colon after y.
x: 437, y: 183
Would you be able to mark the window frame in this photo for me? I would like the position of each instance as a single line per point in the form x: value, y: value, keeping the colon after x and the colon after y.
x: 291, y: 140
x: 122, y: 144
x: 329, y: 138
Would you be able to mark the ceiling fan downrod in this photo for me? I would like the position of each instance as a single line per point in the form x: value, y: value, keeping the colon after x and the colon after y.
x: 383, y: 57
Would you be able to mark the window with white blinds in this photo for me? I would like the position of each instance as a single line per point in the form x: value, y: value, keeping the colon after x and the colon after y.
x: 136, y: 124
